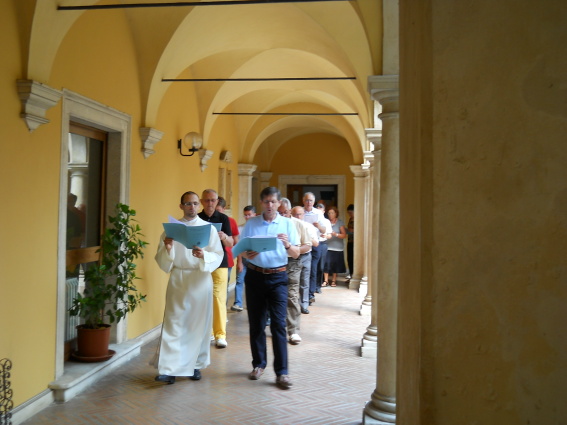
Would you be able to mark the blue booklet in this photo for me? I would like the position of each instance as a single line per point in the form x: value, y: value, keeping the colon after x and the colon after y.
x: 255, y: 243
x: 218, y: 226
x: 189, y: 236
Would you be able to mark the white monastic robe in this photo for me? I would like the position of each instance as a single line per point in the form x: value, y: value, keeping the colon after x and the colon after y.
x: 185, y: 336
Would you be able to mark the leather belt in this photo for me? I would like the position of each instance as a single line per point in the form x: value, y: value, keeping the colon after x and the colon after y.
x: 266, y: 271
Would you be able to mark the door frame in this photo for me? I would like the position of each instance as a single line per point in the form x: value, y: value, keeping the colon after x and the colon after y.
x: 83, y: 110
x: 338, y: 180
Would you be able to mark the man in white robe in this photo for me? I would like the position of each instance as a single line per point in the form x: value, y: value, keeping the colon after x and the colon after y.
x: 184, y: 346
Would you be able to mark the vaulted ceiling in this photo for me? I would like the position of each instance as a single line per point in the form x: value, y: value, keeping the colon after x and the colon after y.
x: 338, y: 42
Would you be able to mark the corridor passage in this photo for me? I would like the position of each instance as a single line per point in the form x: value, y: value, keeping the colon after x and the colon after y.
x: 332, y: 382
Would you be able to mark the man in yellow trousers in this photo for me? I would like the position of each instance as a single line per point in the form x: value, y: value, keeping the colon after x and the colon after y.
x: 209, y: 200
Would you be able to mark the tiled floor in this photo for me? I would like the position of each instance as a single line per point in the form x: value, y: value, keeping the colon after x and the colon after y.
x: 331, y: 381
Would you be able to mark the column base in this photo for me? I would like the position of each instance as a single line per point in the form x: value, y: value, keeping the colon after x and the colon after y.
x: 365, y: 309
x: 363, y: 285
x: 354, y: 283
x: 379, y: 410
x: 369, y: 420
x: 369, y: 349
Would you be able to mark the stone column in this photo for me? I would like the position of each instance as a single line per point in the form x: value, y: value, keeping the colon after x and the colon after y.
x: 265, y: 177
x: 245, y: 172
x: 360, y: 201
x: 370, y: 338
x: 367, y: 224
x: 381, y: 409
x: 264, y: 181
x: 78, y: 181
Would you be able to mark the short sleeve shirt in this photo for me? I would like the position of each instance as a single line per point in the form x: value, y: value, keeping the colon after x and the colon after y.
x: 218, y: 217
x: 257, y: 226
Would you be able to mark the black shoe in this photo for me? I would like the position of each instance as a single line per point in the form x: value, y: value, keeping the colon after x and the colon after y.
x: 304, y: 310
x: 166, y: 379
x: 196, y: 375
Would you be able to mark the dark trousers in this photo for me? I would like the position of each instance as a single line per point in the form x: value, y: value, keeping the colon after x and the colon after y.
x: 315, y: 257
x: 267, y: 293
x: 350, y: 258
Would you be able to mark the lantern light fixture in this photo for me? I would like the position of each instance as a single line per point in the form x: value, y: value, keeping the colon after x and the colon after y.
x: 192, y: 141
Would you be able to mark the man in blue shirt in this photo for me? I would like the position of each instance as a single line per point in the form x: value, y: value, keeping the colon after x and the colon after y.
x: 266, y: 285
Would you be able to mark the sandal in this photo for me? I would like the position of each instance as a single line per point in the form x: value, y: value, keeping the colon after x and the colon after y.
x: 324, y: 284
x: 333, y: 284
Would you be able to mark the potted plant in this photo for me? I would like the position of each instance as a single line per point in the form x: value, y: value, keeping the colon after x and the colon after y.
x: 110, y: 290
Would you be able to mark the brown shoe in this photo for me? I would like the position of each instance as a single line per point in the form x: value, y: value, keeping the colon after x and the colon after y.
x: 284, y: 382
x: 256, y: 373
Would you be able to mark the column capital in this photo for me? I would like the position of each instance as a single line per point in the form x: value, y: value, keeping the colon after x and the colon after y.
x: 374, y: 136
x: 246, y: 169
x: 369, y: 158
x: 359, y: 171
x: 378, y: 84
x: 385, y: 89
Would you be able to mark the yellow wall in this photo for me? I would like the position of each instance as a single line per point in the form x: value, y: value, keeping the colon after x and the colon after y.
x: 318, y: 154
x: 159, y: 181
x: 96, y: 58
x: 30, y: 186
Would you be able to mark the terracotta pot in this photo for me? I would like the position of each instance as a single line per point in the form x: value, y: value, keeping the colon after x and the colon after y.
x: 93, y: 342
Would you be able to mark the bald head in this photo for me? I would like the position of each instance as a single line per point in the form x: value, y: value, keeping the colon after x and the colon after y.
x: 298, y: 212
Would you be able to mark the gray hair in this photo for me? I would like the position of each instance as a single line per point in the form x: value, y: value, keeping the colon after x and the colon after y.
x: 285, y: 203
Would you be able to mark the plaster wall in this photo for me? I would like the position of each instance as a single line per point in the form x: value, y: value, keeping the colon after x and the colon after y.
x: 316, y: 154
x: 29, y: 188
x: 99, y: 63
x: 490, y: 120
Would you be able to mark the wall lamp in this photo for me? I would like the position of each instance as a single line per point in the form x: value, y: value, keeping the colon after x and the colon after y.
x: 192, y: 141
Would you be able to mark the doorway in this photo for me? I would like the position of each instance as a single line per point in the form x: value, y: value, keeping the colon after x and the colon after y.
x: 331, y: 188
x: 325, y: 194
x: 112, y: 159
x: 86, y: 180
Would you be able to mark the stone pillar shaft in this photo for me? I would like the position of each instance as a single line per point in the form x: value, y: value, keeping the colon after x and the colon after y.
x: 360, y: 201
x: 382, y: 407
x: 245, y: 173
x: 367, y: 224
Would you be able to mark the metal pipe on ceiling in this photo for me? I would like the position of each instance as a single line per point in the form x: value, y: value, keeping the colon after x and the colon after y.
x: 165, y: 80
x: 285, y: 113
x: 187, y: 4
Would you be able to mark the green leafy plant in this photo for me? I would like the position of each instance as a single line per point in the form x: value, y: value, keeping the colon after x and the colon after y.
x: 109, y: 286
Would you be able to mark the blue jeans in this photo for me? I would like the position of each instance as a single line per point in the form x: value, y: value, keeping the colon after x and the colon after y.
x: 239, y: 286
x: 267, y: 293
x: 322, y: 261
x: 315, y: 258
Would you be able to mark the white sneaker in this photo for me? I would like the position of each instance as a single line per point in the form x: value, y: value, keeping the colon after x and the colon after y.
x: 212, y: 338
x: 221, y: 343
x: 295, y: 339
